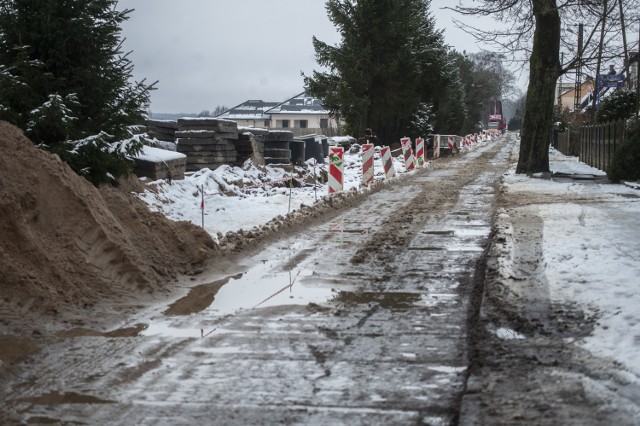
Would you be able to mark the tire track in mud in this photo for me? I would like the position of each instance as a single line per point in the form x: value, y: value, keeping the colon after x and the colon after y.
x: 434, y: 198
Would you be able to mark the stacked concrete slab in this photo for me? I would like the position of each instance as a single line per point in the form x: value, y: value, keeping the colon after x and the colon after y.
x: 156, y: 163
x: 250, y: 144
x: 163, y: 130
x: 276, y: 147
x: 207, y: 142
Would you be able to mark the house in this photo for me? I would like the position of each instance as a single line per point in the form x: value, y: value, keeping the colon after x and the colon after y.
x: 251, y: 113
x: 566, y: 94
x: 302, y: 114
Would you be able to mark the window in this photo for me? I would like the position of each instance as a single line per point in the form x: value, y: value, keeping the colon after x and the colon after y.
x: 324, y: 123
x: 285, y: 124
x: 301, y: 124
x: 266, y: 123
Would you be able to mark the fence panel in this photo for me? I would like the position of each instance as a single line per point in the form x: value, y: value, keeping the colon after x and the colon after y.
x: 597, y: 143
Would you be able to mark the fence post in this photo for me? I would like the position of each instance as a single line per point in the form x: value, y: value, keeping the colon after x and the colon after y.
x: 588, y: 156
x: 580, y: 133
x: 586, y: 145
x: 596, y: 131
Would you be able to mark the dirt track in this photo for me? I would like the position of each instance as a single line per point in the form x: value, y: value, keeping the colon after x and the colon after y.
x: 363, y: 315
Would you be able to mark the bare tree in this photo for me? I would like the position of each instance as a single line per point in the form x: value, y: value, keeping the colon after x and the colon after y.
x: 535, y: 32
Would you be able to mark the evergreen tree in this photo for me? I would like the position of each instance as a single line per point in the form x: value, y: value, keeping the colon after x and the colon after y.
x: 388, y: 66
x: 63, y: 75
x: 451, y: 111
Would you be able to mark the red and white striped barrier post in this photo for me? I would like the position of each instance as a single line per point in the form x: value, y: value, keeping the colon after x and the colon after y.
x: 451, y: 142
x: 387, y: 162
x: 367, y: 164
x: 336, y: 169
x: 407, y: 151
x: 420, y: 151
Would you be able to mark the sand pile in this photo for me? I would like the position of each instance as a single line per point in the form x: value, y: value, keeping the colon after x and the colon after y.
x: 65, y: 244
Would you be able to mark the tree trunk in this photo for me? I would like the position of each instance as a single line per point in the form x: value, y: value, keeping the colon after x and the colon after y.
x: 544, y: 71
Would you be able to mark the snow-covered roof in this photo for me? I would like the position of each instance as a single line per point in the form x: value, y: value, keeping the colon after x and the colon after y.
x: 302, y: 103
x: 249, y: 110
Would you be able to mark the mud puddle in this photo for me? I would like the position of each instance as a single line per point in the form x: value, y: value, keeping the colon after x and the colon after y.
x: 387, y: 300
x: 264, y: 285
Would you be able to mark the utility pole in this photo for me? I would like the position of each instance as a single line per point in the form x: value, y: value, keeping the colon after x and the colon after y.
x: 624, y: 37
x: 560, y: 85
x: 638, y: 78
x: 596, y: 99
x: 577, y: 89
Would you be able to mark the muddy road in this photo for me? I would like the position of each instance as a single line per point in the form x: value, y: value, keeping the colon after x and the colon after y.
x: 362, y: 319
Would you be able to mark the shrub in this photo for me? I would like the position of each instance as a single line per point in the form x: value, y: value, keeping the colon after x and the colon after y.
x: 620, y: 105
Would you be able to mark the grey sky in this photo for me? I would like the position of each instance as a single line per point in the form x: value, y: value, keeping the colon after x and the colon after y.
x: 207, y: 53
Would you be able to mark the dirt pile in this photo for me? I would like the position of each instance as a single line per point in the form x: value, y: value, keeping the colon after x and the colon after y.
x: 66, y: 245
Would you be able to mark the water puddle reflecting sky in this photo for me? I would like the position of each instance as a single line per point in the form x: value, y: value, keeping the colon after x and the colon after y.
x: 260, y: 288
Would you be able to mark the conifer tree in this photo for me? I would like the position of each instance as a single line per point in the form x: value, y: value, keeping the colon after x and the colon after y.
x: 387, y: 67
x: 64, y: 76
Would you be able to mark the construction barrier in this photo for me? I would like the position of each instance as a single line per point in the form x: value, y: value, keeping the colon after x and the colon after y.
x: 407, y: 151
x: 436, y: 146
x: 367, y: 164
x: 336, y: 169
x: 451, y: 142
x: 387, y: 162
x: 420, y: 151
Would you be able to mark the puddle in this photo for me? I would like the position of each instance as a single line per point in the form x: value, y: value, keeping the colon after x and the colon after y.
x: 199, y: 298
x: 446, y: 233
x: 262, y: 286
x: 55, y: 397
x: 170, y: 329
x: 508, y: 334
x: 87, y: 332
x: 385, y: 300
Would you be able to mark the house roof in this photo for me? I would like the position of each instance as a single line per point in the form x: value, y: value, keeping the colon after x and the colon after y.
x: 302, y: 103
x: 249, y: 110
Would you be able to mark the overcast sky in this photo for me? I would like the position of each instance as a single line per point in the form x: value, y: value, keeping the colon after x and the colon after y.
x: 207, y: 53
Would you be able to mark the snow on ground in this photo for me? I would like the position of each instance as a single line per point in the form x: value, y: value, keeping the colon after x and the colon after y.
x: 591, y: 246
x: 249, y: 196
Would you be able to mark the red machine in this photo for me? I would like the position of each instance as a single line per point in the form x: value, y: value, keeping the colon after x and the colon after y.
x: 496, y: 122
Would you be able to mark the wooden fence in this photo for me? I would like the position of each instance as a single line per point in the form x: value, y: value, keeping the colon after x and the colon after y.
x: 594, y: 144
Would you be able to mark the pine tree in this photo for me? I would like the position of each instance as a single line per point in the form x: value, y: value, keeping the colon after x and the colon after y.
x: 388, y: 65
x: 63, y: 75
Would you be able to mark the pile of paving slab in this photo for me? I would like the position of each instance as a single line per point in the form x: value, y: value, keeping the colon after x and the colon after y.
x: 211, y: 142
